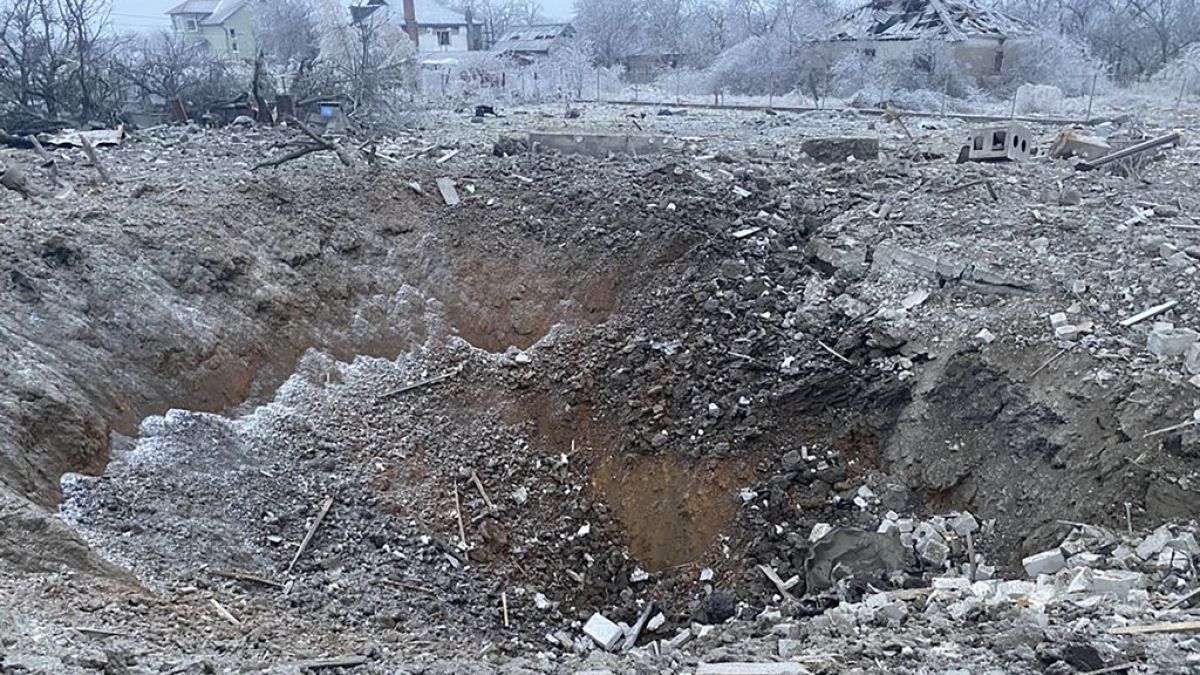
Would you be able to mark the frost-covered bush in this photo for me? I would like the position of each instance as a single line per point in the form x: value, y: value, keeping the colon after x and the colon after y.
x: 753, y: 66
x: 872, y: 81
x: 1182, y: 74
x: 1051, y: 59
x: 1038, y: 98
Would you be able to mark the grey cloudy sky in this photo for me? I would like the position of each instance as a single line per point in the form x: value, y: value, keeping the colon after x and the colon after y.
x: 147, y: 15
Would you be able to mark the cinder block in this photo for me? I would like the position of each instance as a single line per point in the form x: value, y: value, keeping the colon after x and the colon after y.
x: 1046, y: 562
x: 1009, y: 142
x: 606, y: 633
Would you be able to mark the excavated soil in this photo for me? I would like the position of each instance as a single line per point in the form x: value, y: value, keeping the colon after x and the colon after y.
x: 581, y: 371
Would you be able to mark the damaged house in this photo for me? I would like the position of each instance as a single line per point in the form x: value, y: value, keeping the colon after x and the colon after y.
x: 526, y: 44
x: 983, y: 41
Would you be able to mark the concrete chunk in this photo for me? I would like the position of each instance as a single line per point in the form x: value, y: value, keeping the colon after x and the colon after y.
x: 789, y: 648
x: 1191, y: 359
x: 1154, y: 542
x: 449, y: 193
x: 963, y: 523
x: 606, y: 633
x: 1167, y: 341
x: 1046, y: 562
x: 1117, y: 582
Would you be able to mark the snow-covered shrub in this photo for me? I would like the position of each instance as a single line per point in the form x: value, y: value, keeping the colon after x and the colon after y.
x: 1039, y: 98
x: 1051, y: 59
x: 930, y: 67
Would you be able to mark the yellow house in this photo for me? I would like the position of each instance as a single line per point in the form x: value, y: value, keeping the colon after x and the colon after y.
x: 226, y: 25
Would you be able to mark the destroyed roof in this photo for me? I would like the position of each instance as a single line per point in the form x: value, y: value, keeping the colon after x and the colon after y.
x: 952, y: 20
x: 217, y: 10
x: 535, y: 38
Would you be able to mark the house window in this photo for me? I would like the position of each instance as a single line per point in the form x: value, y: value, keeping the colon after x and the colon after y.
x: 443, y: 38
x: 999, y: 60
x: 191, y: 25
x: 233, y: 46
x: 869, y: 52
x: 232, y: 33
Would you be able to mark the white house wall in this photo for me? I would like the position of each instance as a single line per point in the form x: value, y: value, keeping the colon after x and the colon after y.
x: 428, y: 42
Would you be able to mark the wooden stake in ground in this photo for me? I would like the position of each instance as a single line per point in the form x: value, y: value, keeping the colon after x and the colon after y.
x: 504, y: 607
x: 462, y: 531
x: 238, y: 575
x: 47, y: 160
x: 94, y: 159
x: 311, y: 531
x: 482, y: 493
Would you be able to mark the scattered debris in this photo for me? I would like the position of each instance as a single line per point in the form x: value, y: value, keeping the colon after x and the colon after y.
x: 448, y: 191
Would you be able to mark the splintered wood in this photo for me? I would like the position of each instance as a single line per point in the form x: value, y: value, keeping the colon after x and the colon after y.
x: 312, y: 530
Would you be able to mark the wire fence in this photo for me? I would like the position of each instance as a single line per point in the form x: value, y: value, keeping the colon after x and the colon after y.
x: 1079, y: 95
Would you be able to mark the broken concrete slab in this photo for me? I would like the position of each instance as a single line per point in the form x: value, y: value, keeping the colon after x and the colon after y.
x: 599, y: 145
x: 1166, y: 341
x: 745, y: 668
x: 946, y: 270
x: 836, y: 149
x: 449, y: 193
x: 606, y: 633
x: 97, y: 137
x: 1071, y: 143
x: 1154, y: 542
x: 1046, y: 562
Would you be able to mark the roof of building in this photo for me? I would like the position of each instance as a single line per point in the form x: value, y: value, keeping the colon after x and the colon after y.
x: 951, y: 20
x: 430, y: 13
x: 217, y: 10
x: 535, y: 38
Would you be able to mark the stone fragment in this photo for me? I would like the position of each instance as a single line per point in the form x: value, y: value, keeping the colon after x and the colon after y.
x: 933, y: 550
x: 1154, y: 542
x: 449, y: 193
x: 1070, y: 197
x: 1116, y: 582
x: 1046, y: 562
x: 1167, y: 341
x: 681, y: 638
x: 1085, y: 559
x: 606, y: 633
x: 789, y: 648
x: 1191, y: 359
x: 1186, y: 542
x: 950, y: 583
x: 914, y: 299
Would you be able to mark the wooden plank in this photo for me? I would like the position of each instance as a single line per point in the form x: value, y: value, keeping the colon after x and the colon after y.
x: 331, y: 662
x: 1146, y: 314
x: 1161, y: 627
x: 311, y: 531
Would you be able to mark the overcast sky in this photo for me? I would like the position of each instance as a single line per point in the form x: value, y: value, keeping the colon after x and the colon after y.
x: 143, y: 15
